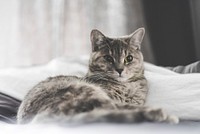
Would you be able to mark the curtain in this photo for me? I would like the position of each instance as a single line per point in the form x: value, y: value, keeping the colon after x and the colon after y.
x: 39, y: 30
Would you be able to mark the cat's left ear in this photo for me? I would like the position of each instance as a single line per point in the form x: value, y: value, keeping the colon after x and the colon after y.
x: 97, y: 40
x: 136, y: 38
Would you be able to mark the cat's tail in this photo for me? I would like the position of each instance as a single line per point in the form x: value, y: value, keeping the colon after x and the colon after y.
x: 114, y: 116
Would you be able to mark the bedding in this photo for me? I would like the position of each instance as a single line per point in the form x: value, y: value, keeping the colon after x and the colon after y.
x: 178, y: 94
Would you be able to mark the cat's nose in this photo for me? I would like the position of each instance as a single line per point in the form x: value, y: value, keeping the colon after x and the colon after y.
x: 119, y: 71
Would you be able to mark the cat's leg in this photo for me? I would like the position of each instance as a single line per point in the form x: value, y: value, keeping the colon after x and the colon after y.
x: 109, y: 115
x: 121, y: 116
x: 148, y: 113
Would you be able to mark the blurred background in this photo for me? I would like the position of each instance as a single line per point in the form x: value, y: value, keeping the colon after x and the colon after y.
x: 33, y: 32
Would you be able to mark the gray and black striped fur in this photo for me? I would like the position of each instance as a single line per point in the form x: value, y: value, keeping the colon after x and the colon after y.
x: 113, y: 90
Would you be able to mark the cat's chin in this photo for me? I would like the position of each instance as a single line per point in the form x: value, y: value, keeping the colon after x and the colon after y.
x: 122, y: 79
x: 119, y: 78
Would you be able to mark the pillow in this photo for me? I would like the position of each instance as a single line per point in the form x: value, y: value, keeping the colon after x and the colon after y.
x: 191, y: 68
x: 177, y: 94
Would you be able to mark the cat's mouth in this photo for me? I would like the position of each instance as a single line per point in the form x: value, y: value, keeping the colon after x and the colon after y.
x: 119, y: 77
x: 122, y: 79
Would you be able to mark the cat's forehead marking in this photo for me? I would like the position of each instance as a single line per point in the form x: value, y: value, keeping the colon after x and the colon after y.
x: 117, y: 47
x: 114, y: 41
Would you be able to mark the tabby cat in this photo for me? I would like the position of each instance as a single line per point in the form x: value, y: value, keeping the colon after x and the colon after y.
x: 113, y: 90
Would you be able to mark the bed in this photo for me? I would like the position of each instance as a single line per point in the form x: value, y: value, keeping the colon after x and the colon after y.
x: 175, y: 89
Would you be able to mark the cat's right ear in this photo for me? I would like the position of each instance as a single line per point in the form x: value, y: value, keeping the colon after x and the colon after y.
x: 137, y: 37
x: 97, y: 40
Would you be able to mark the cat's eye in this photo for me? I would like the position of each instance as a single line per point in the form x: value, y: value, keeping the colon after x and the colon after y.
x: 128, y: 59
x: 109, y: 59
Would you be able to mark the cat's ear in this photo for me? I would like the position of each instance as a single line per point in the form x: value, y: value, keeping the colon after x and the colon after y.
x: 97, y: 40
x: 136, y: 38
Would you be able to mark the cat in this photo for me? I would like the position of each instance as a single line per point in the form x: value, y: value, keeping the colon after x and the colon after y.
x: 113, y: 90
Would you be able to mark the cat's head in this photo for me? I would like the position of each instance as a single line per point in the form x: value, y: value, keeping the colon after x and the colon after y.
x: 119, y: 58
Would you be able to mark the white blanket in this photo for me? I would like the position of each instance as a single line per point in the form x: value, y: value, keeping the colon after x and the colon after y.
x: 102, y: 128
x: 178, y: 94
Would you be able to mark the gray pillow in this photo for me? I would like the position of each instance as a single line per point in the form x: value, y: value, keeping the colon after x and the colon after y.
x: 191, y: 68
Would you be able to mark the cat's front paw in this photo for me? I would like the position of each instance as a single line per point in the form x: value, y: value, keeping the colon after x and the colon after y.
x: 158, y: 115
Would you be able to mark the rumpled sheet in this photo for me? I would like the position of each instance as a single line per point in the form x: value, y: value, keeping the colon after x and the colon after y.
x: 177, y: 94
